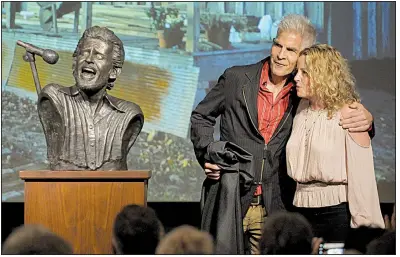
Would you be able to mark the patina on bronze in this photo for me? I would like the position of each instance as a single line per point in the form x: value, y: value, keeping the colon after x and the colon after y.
x: 85, y: 128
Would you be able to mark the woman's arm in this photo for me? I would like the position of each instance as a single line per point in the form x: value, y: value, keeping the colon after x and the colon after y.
x: 362, y: 189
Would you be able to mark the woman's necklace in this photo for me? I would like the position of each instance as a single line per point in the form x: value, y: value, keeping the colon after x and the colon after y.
x: 308, y: 131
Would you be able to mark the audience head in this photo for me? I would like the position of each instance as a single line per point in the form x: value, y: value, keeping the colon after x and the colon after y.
x: 359, y: 238
x: 286, y: 233
x: 186, y: 240
x: 351, y: 251
x: 137, y: 230
x: 385, y: 244
x: 35, y: 239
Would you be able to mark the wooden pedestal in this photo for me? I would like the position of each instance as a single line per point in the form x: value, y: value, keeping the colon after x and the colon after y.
x: 81, y: 206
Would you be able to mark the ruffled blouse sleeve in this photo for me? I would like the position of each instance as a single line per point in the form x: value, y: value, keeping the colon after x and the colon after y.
x: 362, y: 188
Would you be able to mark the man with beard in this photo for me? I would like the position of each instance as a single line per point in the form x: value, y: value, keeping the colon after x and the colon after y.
x: 85, y: 128
x: 256, y: 104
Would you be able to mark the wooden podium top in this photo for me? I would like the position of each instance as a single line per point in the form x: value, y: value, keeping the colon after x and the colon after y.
x: 83, y: 175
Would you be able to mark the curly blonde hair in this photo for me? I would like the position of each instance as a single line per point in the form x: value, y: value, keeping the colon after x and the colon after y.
x: 331, y: 80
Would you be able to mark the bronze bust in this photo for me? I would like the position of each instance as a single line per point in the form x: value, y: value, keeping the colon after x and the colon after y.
x: 85, y: 128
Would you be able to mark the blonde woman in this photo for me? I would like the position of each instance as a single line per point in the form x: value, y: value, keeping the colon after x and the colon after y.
x: 333, y: 168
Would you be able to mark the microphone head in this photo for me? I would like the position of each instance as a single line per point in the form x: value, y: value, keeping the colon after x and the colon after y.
x: 50, y: 56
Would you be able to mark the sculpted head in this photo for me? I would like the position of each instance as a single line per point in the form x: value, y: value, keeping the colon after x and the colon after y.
x: 98, y: 60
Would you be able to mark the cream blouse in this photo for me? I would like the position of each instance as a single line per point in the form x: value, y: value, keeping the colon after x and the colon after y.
x: 330, y: 167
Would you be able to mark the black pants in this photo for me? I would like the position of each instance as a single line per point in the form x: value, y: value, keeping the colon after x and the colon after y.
x: 332, y: 223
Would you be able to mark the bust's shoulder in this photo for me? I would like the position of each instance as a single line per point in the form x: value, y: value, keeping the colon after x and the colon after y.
x: 51, y: 88
x: 56, y: 89
x: 126, y: 106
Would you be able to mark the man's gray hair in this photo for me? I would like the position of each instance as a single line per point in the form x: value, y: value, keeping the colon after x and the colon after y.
x: 300, y: 24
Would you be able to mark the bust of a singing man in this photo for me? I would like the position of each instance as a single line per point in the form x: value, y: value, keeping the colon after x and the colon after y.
x: 85, y: 128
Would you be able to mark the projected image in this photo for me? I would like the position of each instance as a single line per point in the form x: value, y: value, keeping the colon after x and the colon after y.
x: 174, y: 54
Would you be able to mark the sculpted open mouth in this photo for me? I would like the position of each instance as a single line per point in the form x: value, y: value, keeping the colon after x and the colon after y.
x: 88, y: 73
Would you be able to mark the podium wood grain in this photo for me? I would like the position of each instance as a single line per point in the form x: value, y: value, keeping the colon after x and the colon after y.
x: 81, y: 206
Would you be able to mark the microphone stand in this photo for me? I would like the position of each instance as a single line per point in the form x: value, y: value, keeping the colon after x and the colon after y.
x: 30, y: 57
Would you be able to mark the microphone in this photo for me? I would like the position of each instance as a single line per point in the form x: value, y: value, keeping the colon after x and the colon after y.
x: 49, y: 56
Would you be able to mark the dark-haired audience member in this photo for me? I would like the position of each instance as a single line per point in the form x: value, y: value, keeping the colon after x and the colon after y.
x: 35, y: 239
x: 137, y: 230
x: 385, y: 244
x: 359, y: 238
x: 351, y: 251
x: 288, y: 233
x: 186, y: 240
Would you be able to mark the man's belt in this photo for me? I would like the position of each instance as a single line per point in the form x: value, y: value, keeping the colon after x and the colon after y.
x: 257, y: 200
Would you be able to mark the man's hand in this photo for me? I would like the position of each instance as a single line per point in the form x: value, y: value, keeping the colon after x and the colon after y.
x: 212, y: 171
x: 356, y: 119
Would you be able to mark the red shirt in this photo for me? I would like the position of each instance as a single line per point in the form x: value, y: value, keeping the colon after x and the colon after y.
x: 270, y: 111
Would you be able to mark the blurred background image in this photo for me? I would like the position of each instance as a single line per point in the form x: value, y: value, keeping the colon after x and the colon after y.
x: 174, y: 54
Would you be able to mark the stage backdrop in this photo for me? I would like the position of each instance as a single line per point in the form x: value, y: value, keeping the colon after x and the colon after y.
x: 168, y: 81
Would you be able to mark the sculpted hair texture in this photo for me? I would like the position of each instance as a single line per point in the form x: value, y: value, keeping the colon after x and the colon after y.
x: 299, y: 24
x: 331, y: 80
x: 107, y: 36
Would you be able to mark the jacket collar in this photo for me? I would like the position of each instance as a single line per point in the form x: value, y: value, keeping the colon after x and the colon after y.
x: 254, y: 74
x: 74, y: 91
x: 251, y: 88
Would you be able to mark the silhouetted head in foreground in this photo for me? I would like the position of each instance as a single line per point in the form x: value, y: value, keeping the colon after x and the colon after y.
x: 359, y: 238
x: 385, y: 244
x: 137, y: 230
x: 286, y: 233
x: 186, y: 240
x: 35, y: 239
